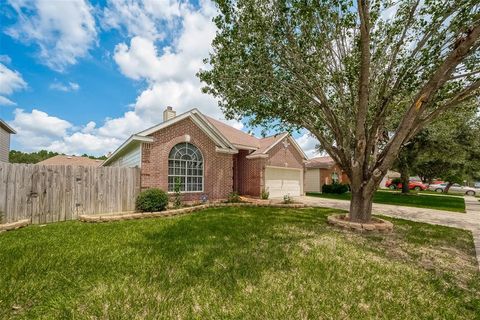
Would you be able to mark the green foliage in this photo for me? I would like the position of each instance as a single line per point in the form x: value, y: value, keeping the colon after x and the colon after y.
x: 237, y: 263
x: 233, y: 197
x: 265, y: 194
x: 177, y: 197
x: 35, y: 157
x: 32, y: 157
x: 151, y: 200
x: 287, y: 199
x: 337, y: 188
x: 396, y: 181
x: 449, y: 149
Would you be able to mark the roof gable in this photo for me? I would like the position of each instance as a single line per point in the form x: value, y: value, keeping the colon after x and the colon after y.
x: 200, y: 120
x: 6, y: 127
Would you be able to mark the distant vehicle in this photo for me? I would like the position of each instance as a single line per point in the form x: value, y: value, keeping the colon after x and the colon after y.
x: 412, y: 185
x: 436, y: 181
x: 455, y: 188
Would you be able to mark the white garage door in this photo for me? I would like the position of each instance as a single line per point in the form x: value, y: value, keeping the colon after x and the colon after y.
x: 281, y: 181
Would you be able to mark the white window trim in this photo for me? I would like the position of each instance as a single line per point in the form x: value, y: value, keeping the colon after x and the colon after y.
x: 203, y: 171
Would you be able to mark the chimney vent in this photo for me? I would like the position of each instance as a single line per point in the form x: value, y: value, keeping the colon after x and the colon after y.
x: 168, y: 114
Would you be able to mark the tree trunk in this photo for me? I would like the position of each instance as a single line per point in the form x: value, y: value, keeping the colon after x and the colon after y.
x: 447, y: 187
x: 403, y: 167
x: 361, y: 204
x: 405, y: 178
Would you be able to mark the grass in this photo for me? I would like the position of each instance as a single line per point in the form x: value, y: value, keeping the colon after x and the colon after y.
x: 447, y: 203
x: 237, y: 263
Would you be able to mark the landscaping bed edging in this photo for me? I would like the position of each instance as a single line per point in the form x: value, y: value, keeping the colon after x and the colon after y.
x: 14, y: 225
x: 175, y: 212
x: 376, y: 224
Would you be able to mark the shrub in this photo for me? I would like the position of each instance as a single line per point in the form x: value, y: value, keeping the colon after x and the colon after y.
x: 337, y: 188
x: 287, y: 199
x: 233, y: 197
x: 396, y: 181
x: 265, y: 194
x: 177, y: 198
x: 151, y: 200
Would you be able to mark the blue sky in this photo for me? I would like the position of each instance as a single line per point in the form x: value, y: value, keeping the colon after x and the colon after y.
x: 80, y: 77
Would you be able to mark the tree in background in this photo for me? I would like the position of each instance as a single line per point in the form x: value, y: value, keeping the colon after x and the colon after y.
x: 445, y: 149
x: 32, y: 157
x: 35, y: 157
x: 451, y: 153
x: 341, y: 69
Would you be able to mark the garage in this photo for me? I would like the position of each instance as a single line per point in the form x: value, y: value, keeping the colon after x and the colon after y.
x: 283, y: 181
x: 312, y: 180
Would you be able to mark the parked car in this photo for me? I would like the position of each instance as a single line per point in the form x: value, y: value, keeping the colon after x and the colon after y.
x: 436, y: 181
x: 412, y: 185
x: 477, y: 185
x: 455, y: 188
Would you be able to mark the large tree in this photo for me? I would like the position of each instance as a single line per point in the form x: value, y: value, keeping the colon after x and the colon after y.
x: 341, y: 68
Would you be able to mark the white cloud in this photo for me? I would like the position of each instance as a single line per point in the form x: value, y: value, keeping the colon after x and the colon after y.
x: 6, y: 102
x: 5, y: 59
x: 170, y: 71
x: 63, y: 30
x: 38, y: 130
x: 65, y: 87
x: 10, y: 80
x: 145, y: 18
x: 309, y: 144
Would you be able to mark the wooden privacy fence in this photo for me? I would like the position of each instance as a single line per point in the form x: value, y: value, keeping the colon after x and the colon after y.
x: 59, y: 193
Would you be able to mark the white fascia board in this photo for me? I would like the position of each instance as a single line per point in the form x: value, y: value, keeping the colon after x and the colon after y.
x: 164, y: 124
x: 225, y: 150
x: 257, y: 156
x: 244, y: 147
x: 297, y: 146
x: 276, y: 142
x: 133, y: 139
x: 198, y: 118
x: 213, y: 128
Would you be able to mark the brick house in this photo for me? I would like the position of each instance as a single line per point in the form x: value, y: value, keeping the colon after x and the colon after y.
x: 210, y: 159
x: 320, y: 171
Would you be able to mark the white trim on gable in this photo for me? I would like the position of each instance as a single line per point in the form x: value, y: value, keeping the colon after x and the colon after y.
x: 198, y: 118
x: 292, y: 141
x: 256, y: 156
x: 225, y: 150
x: 133, y: 139
x: 276, y: 142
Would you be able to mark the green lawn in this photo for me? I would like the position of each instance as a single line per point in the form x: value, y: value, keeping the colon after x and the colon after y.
x: 237, y: 263
x: 447, y: 203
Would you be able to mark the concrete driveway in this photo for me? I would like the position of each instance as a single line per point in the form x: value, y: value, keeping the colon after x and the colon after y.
x: 468, y: 221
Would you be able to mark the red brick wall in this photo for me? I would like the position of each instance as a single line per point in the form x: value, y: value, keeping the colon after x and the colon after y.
x: 289, y: 157
x: 217, y: 172
x: 249, y: 174
x: 326, y: 175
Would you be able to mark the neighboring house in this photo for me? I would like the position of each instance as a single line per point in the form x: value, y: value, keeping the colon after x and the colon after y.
x: 71, y: 160
x: 320, y: 171
x: 5, y: 132
x: 210, y: 159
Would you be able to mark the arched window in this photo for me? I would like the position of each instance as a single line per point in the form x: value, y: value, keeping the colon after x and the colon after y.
x: 185, y: 167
